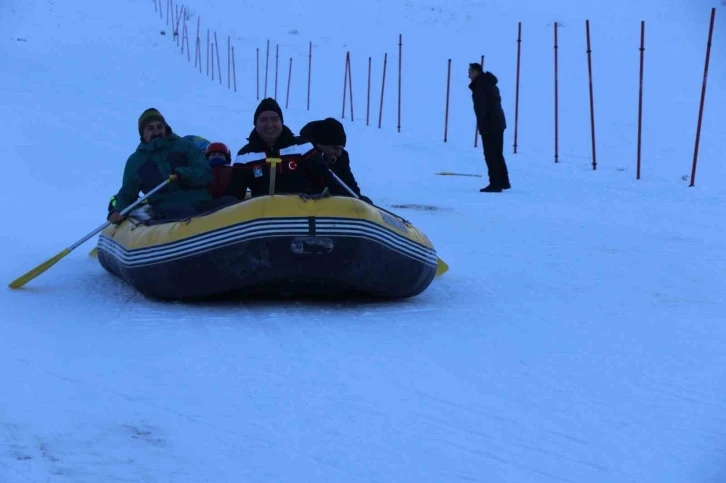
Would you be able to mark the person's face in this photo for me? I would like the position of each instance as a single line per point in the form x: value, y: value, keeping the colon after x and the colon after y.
x: 269, y: 126
x: 218, y: 158
x: 472, y: 74
x: 153, y: 130
x: 331, y: 151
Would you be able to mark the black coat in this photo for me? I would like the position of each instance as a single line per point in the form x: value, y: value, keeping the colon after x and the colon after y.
x: 487, y: 103
x: 301, y: 164
x: 340, y: 166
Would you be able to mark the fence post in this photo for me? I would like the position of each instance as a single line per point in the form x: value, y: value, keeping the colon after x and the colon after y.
x: 703, y: 97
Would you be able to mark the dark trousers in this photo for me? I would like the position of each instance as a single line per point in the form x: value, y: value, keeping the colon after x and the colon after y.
x: 493, y: 143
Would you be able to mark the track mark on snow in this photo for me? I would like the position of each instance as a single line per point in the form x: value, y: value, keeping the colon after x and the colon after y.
x: 505, y: 461
x: 415, y: 206
x: 144, y: 433
x: 10, y: 437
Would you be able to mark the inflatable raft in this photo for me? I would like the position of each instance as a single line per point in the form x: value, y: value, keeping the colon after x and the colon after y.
x: 276, y: 245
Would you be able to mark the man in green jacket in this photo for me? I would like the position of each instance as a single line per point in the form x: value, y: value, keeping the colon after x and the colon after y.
x: 161, y: 154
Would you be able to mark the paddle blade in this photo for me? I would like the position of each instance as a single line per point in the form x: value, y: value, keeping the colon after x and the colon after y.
x: 93, y: 253
x: 441, y: 268
x: 23, y: 279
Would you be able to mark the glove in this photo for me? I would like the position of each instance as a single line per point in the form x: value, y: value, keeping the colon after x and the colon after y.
x: 115, y: 217
x: 366, y: 199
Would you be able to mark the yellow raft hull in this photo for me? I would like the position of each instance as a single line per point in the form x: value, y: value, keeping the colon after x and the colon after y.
x: 276, y: 245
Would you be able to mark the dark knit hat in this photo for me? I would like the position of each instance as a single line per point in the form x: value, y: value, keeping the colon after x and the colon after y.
x: 268, y: 104
x: 329, y: 132
x: 147, y: 116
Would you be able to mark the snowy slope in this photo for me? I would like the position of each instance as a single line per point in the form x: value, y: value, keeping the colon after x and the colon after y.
x: 577, y: 337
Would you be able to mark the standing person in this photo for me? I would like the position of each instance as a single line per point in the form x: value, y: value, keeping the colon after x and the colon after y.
x: 491, y: 123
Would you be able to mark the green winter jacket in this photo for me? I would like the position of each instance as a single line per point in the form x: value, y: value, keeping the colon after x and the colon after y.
x: 154, y: 162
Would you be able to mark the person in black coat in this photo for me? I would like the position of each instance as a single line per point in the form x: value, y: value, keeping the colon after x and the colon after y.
x: 491, y: 123
x: 329, y: 138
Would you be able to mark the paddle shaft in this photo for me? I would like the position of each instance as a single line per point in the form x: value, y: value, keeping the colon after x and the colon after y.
x: 30, y: 275
x: 345, y: 186
x: 273, y: 162
x: 352, y: 193
x: 123, y: 212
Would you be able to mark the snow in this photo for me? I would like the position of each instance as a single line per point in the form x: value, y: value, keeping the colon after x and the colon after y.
x: 577, y: 336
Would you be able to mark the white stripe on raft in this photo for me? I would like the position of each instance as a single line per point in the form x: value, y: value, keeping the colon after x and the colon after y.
x: 266, y: 229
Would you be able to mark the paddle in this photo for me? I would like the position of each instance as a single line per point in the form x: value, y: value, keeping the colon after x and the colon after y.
x: 441, y: 266
x: 23, y: 279
x: 446, y: 173
x: 273, y: 162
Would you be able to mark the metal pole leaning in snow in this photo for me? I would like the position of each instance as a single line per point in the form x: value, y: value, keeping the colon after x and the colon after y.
x: 258, y: 73
x: 27, y: 277
x: 400, y: 68
x: 703, y: 97
x: 350, y: 86
x: 516, y: 91
x: 178, y: 19
x: 212, y: 60
x: 289, y: 76
x: 446, y: 110
x: 640, y: 96
x: 592, y: 103
x: 345, y: 86
x: 557, y: 146
x: 368, y: 98
x: 277, y: 67
x: 234, y: 71
x: 267, y: 65
x: 310, y: 68
x: 219, y: 64
x: 383, y: 88
x: 197, y: 52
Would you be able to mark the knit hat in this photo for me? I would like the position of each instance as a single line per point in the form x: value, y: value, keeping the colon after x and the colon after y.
x: 148, y: 116
x: 329, y: 132
x: 268, y: 104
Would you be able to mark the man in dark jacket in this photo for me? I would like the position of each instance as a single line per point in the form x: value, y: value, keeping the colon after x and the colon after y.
x: 159, y: 155
x: 329, y: 138
x: 491, y: 123
x: 270, y: 138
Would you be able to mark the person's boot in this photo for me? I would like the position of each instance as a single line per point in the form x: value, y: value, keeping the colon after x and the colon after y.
x: 491, y: 189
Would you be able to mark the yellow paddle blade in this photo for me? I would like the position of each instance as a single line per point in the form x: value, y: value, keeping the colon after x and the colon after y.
x: 22, y: 280
x: 441, y: 268
x: 93, y: 253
